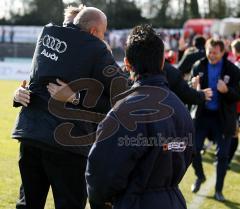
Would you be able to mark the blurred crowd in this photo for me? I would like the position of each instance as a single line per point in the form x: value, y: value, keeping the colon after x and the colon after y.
x: 7, y: 36
x: 176, y: 42
x: 176, y: 45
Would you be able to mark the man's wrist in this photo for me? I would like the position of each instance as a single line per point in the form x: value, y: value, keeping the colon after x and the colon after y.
x: 75, y: 98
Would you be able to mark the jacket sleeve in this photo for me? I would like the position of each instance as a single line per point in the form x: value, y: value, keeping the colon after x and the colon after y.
x: 16, y: 104
x: 181, y: 88
x: 189, y: 95
x: 195, y: 69
x: 233, y: 94
x: 185, y: 65
x: 111, y: 162
x: 104, y: 64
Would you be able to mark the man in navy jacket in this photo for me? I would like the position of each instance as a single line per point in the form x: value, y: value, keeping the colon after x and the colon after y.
x: 218, y: 116
x: 144, y: 145
x: 50, y: 157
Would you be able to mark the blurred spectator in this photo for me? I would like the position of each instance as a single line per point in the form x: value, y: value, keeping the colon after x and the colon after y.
x: 236, y: 51
x: 3, y: 35
x: 191, y: 55
x: 171, y: 56
x: 234, y: 142
x: 11, y: 35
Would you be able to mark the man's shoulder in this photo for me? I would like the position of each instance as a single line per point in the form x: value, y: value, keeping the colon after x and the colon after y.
x: 101, y: 47
x: 237, y: 64
x: 203, y: 61
x: 230, y: 65
x: 231, y: 68
x: 144, y: 98
x: 141, y: 93
x: 200, y: 63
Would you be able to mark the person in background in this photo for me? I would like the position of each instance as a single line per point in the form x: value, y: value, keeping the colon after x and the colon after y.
x: 3, y: 35
x: 217, y: 116
x: 236, y: 51
x: 235, y: 45
x: 191, y: 55
x: 11, y: 35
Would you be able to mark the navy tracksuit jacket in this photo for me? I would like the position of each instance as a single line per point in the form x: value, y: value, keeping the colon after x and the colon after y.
x: 143, y: 149
x: 69, y: 54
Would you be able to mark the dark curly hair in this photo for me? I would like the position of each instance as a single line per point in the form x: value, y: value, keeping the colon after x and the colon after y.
x: 145, y: 50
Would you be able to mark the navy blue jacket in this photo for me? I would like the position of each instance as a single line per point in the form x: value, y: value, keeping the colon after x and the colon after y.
x: 181, y: 88
x: 143, y: 149
x: 69, y: 54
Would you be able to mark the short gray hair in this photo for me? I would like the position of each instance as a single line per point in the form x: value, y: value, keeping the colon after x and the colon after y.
x: 71, y: 12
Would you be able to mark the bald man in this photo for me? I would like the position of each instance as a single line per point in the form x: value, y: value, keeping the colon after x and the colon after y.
x: 46, y: 158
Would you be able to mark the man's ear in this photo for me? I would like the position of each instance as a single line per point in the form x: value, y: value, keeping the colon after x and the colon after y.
x: 92, y: 31
x: 127, y: 65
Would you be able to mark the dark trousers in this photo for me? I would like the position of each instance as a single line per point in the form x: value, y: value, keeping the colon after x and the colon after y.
x: 99, y: 206
x: 205, y: 124
x: 233, y: 148
x: 21, y: 203
x: 62, y: 170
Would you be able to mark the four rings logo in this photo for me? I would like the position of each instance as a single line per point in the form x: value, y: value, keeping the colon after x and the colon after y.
x: 54, y: 44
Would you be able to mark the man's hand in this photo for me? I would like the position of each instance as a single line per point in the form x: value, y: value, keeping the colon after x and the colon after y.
x: 196, y: 82
x: 222, y: 87
x: 61, y: 92
x: 181, y: 44
x: 22, y: 95
x: 208, y: 94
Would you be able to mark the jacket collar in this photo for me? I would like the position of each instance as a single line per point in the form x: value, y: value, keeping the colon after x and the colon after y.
x: 152, y: 80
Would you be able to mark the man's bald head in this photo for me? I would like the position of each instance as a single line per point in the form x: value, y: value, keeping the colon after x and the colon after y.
x: 92, y: 20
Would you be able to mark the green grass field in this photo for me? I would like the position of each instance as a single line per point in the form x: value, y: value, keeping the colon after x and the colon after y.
x: 10, y: 179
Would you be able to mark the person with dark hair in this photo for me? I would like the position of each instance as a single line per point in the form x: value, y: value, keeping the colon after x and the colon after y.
x: 218, y: 116
x: 191, y: 55
x: 144, y: 145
